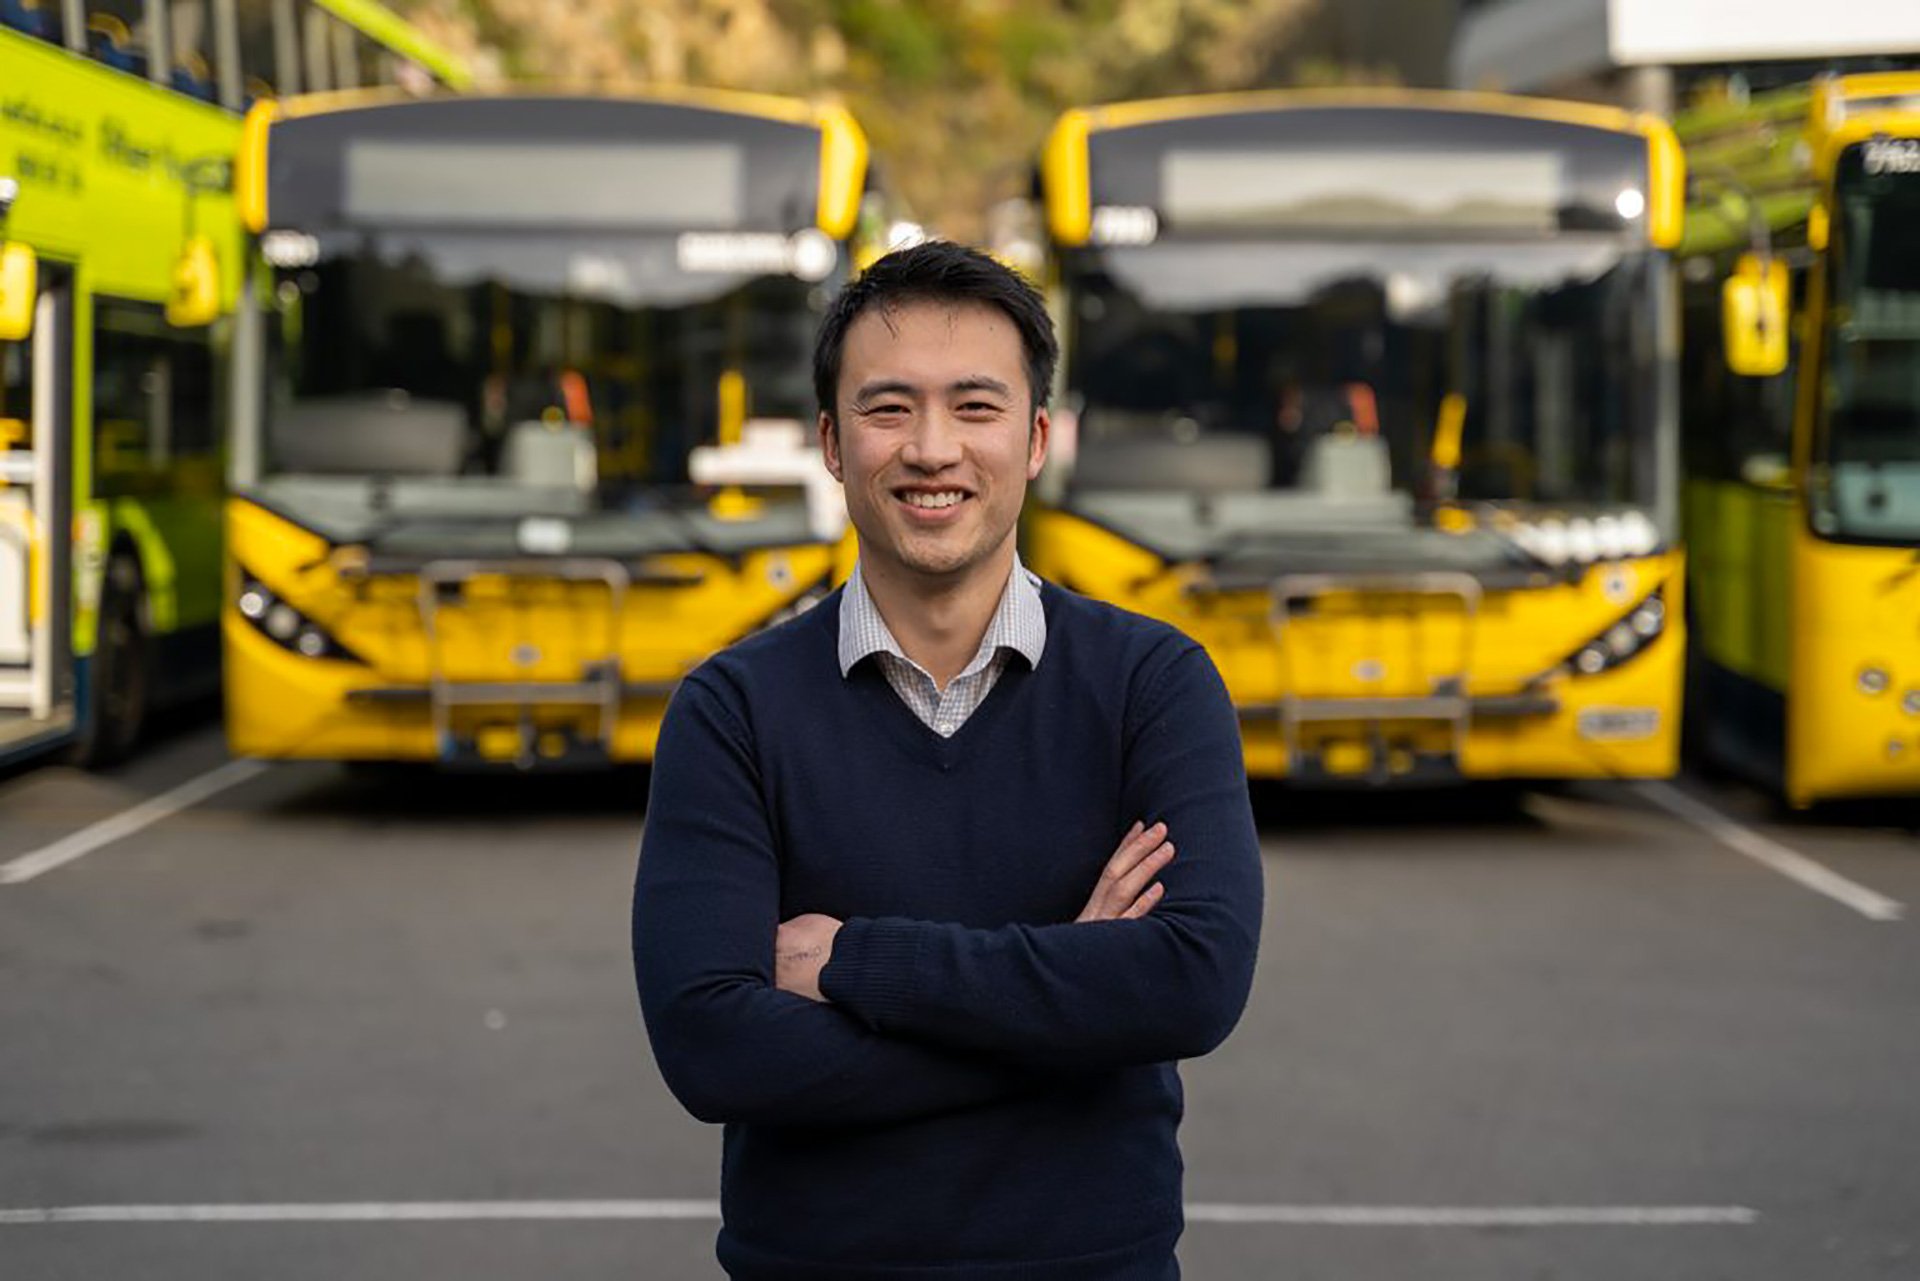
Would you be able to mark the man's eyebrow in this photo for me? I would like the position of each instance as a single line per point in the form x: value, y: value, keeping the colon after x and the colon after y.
x: 884, y: 387
x: 980, y: 382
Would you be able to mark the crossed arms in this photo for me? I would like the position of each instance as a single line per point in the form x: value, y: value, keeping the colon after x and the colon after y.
x: 920, y: 1017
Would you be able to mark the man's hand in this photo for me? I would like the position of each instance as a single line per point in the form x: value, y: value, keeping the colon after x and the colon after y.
x: 1126, y: 889
x: 801, y: 948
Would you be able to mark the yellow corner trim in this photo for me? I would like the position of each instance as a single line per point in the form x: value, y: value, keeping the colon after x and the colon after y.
x: 250, y: 166
x: 1667, y: 182
x: 1857, y: 129
x: 1065, y: 171
x: 843, y: 171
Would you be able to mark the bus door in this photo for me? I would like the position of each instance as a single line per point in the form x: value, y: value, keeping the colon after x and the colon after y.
x: 36, y: 490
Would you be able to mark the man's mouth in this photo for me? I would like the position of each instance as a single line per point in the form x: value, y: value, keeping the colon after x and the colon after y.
x: 931, y: 499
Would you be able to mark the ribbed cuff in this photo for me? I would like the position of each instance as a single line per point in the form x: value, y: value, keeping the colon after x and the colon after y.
x: 871, y: 971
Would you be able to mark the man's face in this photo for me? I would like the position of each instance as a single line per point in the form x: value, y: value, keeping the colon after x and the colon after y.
x: 937, y: 440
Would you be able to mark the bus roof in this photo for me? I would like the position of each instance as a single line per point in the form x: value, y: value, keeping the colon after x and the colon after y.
x: 1066, y: 158
x: 843, y: 145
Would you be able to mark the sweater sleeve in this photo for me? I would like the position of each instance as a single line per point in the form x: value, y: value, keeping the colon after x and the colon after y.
x: 1100, y: 995
x: 731, y: 1046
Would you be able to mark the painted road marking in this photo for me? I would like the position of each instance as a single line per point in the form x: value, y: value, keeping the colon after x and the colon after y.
x: 127, y: 822
x: 1339, y: 1216
x: 1474, y: 1216
x: 1765, y: 850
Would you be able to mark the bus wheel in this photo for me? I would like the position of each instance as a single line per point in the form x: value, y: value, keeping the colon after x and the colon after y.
x: 117, y: 682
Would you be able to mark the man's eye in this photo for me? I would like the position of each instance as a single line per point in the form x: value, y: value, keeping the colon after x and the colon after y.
x: 979, y: 407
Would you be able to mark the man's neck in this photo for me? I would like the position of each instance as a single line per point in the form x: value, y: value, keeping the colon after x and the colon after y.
x: 940, y: 625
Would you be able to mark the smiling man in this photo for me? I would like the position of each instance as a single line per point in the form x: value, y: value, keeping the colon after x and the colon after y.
x: 910, y: 920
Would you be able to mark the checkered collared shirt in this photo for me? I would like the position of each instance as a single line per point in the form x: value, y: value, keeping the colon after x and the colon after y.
x: 1019, y: 626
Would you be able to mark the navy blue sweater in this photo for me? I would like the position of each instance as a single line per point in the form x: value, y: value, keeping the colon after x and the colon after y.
x: 990, y: 1091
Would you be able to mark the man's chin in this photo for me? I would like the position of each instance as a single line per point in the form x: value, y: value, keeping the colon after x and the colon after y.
x: 939, y: 560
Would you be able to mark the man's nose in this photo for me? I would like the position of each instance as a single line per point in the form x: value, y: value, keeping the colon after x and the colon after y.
x: 934, y: 443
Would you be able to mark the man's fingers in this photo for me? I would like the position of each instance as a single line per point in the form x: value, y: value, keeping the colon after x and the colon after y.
x: 1138, y: 844
x: 1129, y: 887
x: 1143, y: 851
x: 1144, y: 904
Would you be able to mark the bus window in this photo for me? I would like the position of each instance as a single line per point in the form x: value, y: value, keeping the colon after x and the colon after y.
x: 1743, y: 424
x: 118, y: 35
x: 316, y: 47
x: 153, y: 396
x: 194, y: 408
x: 40, y: 18
x: 259, y: 55
x: 191, y: 25
x: 346, y: 67
x: 286, y: 46
x: 371, y: 63
x: 16, y: 402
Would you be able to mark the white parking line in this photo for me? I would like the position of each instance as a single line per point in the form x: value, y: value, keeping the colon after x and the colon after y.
x: 1476, y: 1216
x: 128, y: 821
x: 1765, y: 850
x: 1339, y: 1216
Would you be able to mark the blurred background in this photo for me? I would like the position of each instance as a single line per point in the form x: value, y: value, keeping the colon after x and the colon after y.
x: 1520, y: 401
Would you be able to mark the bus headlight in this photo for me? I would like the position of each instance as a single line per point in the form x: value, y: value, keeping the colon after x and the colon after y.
x: 1633, y: 632
x: 1873, y: 681
x: 286, y: 626
x: 1585, y: 541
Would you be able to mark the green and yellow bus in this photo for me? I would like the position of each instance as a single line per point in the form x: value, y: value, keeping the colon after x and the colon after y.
x: 526, y: 429
x: 1803, y: 490
x: 123, y: 258
x: 1374, y: 394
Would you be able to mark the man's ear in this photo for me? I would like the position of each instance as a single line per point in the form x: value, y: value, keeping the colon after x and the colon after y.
x: 830, y: 446
x: 1037, y: 442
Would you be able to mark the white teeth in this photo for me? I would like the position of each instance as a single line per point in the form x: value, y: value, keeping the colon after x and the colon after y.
x: 946, y: 498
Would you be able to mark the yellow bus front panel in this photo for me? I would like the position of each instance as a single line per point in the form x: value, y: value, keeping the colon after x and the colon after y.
x: 367, y: 690
x: 1533, y: 713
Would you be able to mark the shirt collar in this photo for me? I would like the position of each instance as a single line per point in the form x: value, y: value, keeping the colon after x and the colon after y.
x: 1019, y: 623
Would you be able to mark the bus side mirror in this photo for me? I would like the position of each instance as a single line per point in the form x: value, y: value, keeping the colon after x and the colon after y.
x: 1753, y: 315
x: 196, y: 286
x: 19, y: 280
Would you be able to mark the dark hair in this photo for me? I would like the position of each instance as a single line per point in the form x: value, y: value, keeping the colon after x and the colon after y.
x: 942, y: 272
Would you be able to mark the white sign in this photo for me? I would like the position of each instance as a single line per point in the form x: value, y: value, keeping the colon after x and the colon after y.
x: 1643, y: 32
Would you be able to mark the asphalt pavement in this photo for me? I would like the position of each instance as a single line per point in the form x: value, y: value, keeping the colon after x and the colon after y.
x: 292, y: 1021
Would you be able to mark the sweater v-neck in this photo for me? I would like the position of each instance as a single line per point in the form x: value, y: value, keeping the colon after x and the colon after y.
x: 907, y: 730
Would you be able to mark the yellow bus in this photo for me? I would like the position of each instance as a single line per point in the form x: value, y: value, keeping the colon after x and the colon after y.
x: 1803, y: 490
x: 122, y: 261
x: 1374, y: 395
x: 526, y: 436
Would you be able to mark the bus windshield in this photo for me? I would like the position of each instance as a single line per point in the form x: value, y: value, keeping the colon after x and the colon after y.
x: 1866, y: 474
x: 1274, y: 348
x: 440, y: 354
